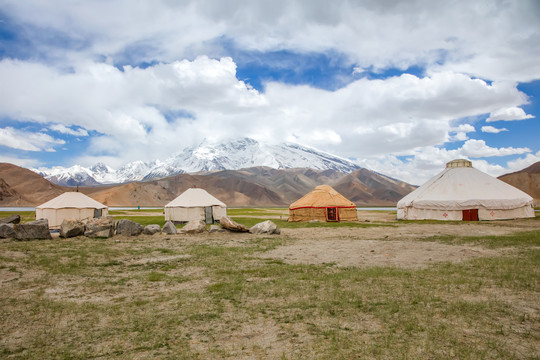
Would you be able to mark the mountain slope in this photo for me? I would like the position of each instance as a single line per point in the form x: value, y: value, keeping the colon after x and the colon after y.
x: 527, y: 180
x: 366, y: 187
x: 24, y: 187
x: 232, y: 155
x: 256, y: 186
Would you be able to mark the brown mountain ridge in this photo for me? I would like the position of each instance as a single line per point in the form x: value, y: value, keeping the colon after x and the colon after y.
x: 256, y: 186
x: 527, y: 180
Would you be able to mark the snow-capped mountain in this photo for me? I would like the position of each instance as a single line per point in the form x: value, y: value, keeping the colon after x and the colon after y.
x: 233, y: 155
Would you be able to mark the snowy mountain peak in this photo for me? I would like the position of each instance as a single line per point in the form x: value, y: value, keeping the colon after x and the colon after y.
x: 232, y: 155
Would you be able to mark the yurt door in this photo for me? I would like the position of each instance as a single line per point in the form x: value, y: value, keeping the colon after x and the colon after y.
x: 97, y: 213
x: 470, y: 215
x: 331, y: 214
x: 208, y: 215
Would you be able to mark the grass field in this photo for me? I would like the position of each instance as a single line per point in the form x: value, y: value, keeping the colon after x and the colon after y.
x: 206, y: 297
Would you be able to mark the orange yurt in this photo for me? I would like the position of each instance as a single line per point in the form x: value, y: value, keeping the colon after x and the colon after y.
x: 323, y: 204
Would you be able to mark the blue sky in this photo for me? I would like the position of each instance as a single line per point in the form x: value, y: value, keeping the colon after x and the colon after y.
x: 399, y: 88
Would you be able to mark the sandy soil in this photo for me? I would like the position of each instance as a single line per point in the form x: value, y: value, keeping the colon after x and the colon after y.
x: 395, y: 245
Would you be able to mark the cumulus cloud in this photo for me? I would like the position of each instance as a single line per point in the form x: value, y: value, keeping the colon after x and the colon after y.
x: 421, y: 164
x: 438, y: 34
x: 29, y: 141
x: 508, y: 114
x: 132, y: 107
x: 24, y: 162
x: 478, y: 148
x: 524, y: 162
x: 66, y: 130
x: 80, y: 85
x: 460, y: 132
x: 492, y: 129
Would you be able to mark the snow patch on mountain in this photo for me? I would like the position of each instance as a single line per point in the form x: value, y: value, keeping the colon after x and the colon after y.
x: 233, y: 155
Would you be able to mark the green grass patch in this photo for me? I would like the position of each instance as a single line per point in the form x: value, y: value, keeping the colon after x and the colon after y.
x: 25, y: 215
x: 87, y: 298
x: 255, y: 211
x: 131, y: 211
x: 520, y: 240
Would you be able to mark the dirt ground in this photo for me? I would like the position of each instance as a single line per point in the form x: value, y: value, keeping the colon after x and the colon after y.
x: 393, y: 243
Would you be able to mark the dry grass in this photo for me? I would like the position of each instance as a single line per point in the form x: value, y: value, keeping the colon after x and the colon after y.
x: 219, y: 296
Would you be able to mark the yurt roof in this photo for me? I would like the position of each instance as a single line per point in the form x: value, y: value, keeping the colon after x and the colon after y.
x: 460, y: 186
x: 72, y: 199
x: 195, y: 198
x: 322, y: 196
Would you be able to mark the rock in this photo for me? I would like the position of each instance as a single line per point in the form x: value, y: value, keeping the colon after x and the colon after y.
x: 38, y: 229
x: 7, y: 231
x: 13, y: 219
x: 169, y: 228
x: 232, y: 225
x: 216, y: 228
x: 100, y: 227
x: 151, y: 229
x: 71, y: 228
x: 194, y: 227
x: 128, y: 228
x: 265, y: 227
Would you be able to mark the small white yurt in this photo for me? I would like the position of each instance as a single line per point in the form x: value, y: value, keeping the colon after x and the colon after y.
x: 70, y: 205
x: 195, y: 204
x: 462, y: 192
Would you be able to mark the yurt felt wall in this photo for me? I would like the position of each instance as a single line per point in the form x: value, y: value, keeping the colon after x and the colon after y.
x: 70, y: 205
x: 320, y: 214
x: 461, y: 189
x: 316, y: 204
x: 192, y: 204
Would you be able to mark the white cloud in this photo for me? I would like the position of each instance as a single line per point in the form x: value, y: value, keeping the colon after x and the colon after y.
x: 461, y: 132
x: 486, y: 39
x: 132, y: 108
x: 478, y: 148
x: 509, y: 114
x: 423, y: 163
x: 66, y: 130
x: 457, y: 43
x: 27, y: 163
x: 29, y: 141
x: 493, y: 130
x: 524, y: 162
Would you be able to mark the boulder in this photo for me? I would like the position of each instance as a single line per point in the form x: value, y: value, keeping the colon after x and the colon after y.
x: 194, y: 227
x: 216, y: 228
x: 7, y: 231
x: 71, y: 228
x: 13, y: 219
x: 151, y: 229
x: 100, y: 227
x: 232, y: 225
x: 169, y: 228
x: 128, y: 228
x: 38, y: 229
x: 265, y: 227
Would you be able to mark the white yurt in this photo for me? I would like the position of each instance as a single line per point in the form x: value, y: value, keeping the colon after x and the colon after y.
x: 462, y: 192
x: 195, y: 204
x: 70, y: 205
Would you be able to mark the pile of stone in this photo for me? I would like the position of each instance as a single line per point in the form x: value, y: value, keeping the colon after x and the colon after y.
x: 105, y: 227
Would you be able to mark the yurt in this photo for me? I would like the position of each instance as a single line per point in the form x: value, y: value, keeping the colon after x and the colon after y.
x: 70, y: 205
x: 195, y: 204
x: 323, y: 204
x: 462, y: 192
